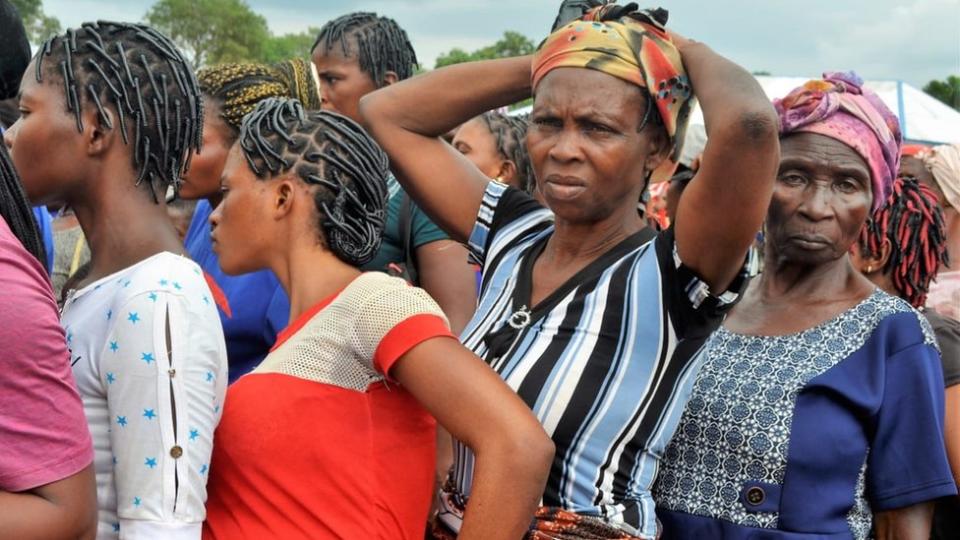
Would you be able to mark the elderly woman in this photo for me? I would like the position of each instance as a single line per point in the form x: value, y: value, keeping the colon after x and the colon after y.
x: 900, y: 250
x: 594, y: 319
x: 818, y: 411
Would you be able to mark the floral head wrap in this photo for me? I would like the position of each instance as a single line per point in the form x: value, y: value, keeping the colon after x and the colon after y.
x: 839, y: 107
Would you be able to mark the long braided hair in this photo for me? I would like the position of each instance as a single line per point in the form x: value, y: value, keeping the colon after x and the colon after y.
x: 15, y: 210
x: 237, y: 88
x: 335, y: 154
x: 510, y: 136
x: 380, y: 44
x: 140, y: 74
x: 912, y: 221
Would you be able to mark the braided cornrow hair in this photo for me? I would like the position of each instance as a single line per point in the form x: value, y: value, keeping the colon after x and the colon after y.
x: 332, y: 152
x: 144, y: 78
x: 381, y: 45
x: 912, y: 221
x: 238, y: 88
x: 510, y: 136
x: 15, y: 210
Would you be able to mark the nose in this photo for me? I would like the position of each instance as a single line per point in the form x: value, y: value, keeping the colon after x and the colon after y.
x: 10, y: 134
x: 566, y: 146
x: 818, y: 202
x: 215, y: 216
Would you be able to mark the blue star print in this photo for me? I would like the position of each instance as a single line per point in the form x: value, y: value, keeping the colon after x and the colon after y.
x: 177, y: 286
x: 122, y: 422
x: 203, y: 470
x: 149, y: 414
x: 147, y: 357
x: 109, y: 314
x: 206, y: 300
x: 163, y: 283
x: 152, y: 296
x: 116, y: 527
x: 69, y: 337
x: 111, y: 378
x: 209, y: 376
x: 151, y: 462
x: 114, y: 346
x: 136, y: 501
x: 194, y: 434
x: 133, y: 317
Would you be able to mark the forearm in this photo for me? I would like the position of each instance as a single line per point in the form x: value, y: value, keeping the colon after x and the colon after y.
x: 506, y: 491
x: 447, y: 277
x: 910, y: 523
x: 64, y: 509
x: 434, y: 103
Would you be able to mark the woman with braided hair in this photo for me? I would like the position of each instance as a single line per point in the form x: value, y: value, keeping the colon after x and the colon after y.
x: 496, y: 144
x: 122, y: 108
x: 255, y: 308
x: 901, y: 248
x: 331, y: 436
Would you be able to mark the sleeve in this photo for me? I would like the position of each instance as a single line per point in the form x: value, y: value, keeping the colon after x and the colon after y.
x: 501, y: 208
x: 907, y: 462
x: 394, y: 321
x: 165, y: 373
x: 43, y: 430
x: 694, y: 309
x: 278, y: 315
x: 45, y: 227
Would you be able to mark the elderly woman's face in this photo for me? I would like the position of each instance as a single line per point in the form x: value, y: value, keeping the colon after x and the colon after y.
x: 588, y: 157
x: 821, y: 199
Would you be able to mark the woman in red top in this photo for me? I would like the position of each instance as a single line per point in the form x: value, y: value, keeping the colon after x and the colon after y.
x: 332, y: 435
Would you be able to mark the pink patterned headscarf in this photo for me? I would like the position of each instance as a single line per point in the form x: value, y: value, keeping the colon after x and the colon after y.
x: 840, y: 108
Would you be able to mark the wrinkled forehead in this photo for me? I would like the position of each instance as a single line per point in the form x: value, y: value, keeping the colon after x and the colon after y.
x: 583, y: 88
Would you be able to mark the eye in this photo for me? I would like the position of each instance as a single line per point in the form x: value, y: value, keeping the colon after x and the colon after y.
x: 847, y: 185
x: 597, y: 127
x: 547, y: 122
x: 792, y: 178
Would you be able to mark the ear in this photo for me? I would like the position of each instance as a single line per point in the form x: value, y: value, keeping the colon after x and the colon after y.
x: 507, y: 173
x: 871, y: 264
x: 284, y: 193
x: 100, y: 130
x: 390, y: 77
x: 657, y: 147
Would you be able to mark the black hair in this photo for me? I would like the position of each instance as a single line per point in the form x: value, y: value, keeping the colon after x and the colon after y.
x: 510, y: 135
x: 335, y: 154
x: 16, y: 211
x: 381, y: 45
x: 912, y: 221
x: 145, y: 78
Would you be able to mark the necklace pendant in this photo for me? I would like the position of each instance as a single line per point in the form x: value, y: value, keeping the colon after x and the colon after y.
x: 520, y: 318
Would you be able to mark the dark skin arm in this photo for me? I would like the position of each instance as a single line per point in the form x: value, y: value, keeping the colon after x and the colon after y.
x: 725, y: 204
x: 65, y: 509
x: 417, y: 112
x: 513, y: 453
x: 910, y: 523
x: 444, y: 273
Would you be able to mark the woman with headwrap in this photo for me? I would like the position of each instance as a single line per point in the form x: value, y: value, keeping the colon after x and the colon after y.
x: 332, y: 435
x: 594, y: 319
x: 818, y: 412
x: 253, y: 307
x: 941, y: 172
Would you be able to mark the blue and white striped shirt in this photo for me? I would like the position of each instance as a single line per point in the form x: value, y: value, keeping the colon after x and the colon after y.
x: 606, y: 362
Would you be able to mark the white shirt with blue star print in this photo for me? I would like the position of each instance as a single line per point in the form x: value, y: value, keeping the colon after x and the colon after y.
x: 152, y: 393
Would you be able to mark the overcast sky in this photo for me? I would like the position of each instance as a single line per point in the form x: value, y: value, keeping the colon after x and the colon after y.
x: 912, y: 40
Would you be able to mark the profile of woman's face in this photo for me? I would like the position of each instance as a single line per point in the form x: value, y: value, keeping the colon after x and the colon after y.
x: 477, y: 144
x: 821, y: 200
x: 203, y: 178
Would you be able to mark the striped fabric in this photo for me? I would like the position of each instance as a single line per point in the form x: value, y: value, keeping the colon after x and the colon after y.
x: 607, y: 369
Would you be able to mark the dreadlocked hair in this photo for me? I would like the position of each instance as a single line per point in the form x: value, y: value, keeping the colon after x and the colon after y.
x: 15, y: 210
x: 381, y: 45
x: 332, y: 152
x: 143, y: 77
x: 237, y: 88
x: 510, y: 135
x: 912, y: 221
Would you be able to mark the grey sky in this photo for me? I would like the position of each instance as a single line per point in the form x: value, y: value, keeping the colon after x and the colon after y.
x: 913, y: 40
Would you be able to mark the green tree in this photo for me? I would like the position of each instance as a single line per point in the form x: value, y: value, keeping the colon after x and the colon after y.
x: 212, y: 31
x: 510, y: 45
x: 287, y: 46
x: 947, y: 91
x: 38, y: 24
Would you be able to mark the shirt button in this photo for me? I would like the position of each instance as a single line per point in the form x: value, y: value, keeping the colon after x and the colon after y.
x: 176, y: 452
x: 756, y: 496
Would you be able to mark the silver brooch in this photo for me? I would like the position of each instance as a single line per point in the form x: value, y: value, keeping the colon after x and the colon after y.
x: 520, y: 318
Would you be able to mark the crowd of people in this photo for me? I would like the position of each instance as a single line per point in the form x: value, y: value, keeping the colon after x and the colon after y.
x: 326, y: 298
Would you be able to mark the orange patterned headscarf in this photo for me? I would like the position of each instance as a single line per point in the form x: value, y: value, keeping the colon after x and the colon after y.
x: 634, y: 47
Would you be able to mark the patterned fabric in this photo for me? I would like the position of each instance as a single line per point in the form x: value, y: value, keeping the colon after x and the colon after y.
x: 839, y: 107
x: 944, y: 162
x: 738, y: 431
x: 552, y: 524
x: 634, y: 48
x: 318, y: 442
x: 152, y: 401
x: 605, y: 363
